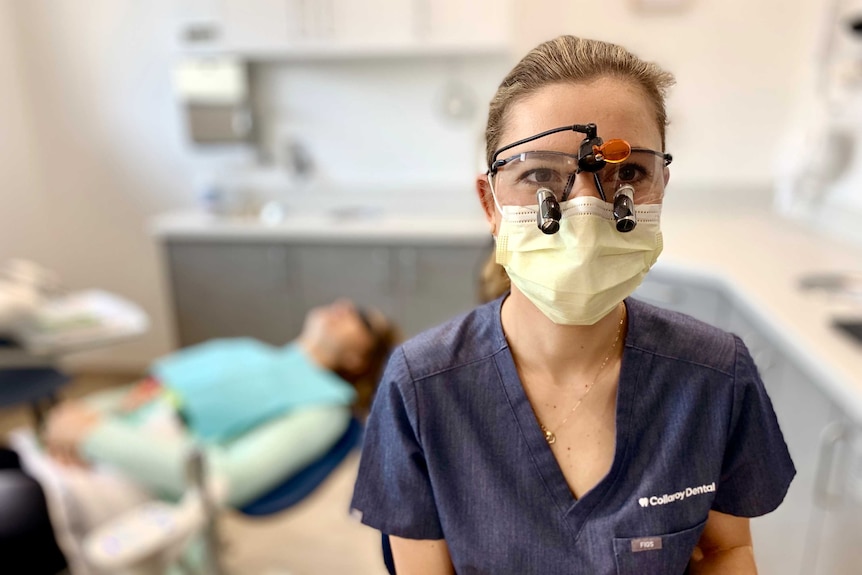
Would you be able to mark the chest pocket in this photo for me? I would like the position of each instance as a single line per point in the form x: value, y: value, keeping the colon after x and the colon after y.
x: 666, y: 554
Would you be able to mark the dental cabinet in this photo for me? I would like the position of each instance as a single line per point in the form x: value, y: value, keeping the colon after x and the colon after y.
x: 263, y: 289
x: 323, y: 29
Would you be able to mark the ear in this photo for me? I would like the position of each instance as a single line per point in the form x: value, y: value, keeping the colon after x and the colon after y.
x: 666, y: 175
x: 483, y: 189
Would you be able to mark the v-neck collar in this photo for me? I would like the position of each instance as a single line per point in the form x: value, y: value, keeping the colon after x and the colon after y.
x: 574, y: 511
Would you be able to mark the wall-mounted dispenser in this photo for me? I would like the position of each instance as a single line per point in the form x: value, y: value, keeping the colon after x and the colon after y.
x: 213, y: 92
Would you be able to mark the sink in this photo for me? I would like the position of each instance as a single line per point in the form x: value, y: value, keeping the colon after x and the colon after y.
x: 277, y: 212
x: 837, y: 283
x: 355, y: 212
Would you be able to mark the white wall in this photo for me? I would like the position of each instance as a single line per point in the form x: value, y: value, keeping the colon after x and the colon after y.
x: 21, y: 202
x: 92, y: 143
x: 739, y: 65
x: 106, y: 140
x: 381, y: 124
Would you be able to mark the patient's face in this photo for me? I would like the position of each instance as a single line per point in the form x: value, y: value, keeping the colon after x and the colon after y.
x: 339, y: 331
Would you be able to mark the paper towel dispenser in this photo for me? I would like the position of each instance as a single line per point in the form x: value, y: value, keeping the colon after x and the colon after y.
x: 213, y: 92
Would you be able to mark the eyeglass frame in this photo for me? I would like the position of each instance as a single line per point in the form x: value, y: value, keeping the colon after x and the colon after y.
x: 590, y: 132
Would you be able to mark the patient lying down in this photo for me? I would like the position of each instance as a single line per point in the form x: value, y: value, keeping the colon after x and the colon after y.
x: 259, y: 412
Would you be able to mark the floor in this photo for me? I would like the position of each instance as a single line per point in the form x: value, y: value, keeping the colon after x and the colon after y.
x: 315, y: 537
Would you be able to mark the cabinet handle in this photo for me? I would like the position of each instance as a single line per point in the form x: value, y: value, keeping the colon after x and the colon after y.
x: 830, y: 437
x: 854, y: 472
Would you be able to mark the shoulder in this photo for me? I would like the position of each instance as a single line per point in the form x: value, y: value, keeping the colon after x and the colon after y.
x: 464, y: 340
x: 679, y: 337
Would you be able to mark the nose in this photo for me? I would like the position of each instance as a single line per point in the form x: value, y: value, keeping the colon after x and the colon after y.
x: 582, y: 185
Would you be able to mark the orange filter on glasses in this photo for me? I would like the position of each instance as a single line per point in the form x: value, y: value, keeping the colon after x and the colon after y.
x: 613, y: 151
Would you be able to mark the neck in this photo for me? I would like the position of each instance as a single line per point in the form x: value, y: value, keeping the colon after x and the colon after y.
x: 555, y: 351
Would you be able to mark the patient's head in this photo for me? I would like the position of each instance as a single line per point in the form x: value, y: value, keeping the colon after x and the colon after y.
x: 352, y: 342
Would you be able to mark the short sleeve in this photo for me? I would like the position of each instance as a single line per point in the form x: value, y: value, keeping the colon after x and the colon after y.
x: 393, y: 490
x: 756, y: 470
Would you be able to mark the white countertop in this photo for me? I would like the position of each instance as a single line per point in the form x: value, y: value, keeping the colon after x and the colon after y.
x: 756, y: 259
x: 320, y: 227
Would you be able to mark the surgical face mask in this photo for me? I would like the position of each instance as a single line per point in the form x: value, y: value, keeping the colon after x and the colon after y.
x: 578, y: 275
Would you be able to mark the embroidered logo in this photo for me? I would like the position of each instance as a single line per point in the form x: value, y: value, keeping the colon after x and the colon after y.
x: 677, y: 496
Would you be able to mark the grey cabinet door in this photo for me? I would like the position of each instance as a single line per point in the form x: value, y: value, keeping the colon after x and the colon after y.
x: 436, y: 283
x: 225, y: 289
x: 785, y: 540
x: 232, y: 290
x: 699, y: 301
x: 839, y: 501
x: 362, y: 273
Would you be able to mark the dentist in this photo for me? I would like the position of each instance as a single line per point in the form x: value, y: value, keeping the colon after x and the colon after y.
x: 565, y: 427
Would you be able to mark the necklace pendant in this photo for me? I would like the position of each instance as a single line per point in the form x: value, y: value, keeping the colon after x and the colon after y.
x: 550, y: 437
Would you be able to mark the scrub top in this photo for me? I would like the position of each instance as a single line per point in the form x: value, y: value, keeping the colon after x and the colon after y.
x: 453, y: 451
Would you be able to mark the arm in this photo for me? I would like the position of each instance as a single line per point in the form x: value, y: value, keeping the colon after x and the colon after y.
x: 421, y: 556
x: 157, y: 463
x: 267, y: 455
x: 725, y: 547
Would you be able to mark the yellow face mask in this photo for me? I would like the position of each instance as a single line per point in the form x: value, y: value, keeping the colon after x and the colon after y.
x: 578, y: 275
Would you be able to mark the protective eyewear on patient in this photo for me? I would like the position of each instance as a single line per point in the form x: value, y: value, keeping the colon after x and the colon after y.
x: 519, y: 177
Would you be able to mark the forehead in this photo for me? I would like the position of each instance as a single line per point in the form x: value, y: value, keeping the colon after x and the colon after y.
x: 619, y: 108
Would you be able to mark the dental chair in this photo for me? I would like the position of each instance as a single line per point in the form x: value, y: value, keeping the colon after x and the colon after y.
x: 40, y: 322
x: 158, y: 537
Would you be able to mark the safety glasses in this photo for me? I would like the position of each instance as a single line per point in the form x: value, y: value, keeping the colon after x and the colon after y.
x: 519, y: 177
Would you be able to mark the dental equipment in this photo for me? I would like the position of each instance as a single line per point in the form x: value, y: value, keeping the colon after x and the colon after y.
x: 614, y: 164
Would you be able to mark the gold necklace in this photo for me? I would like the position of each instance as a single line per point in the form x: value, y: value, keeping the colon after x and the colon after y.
x: 550, y: 436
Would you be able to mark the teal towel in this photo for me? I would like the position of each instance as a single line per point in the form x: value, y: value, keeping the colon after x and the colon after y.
x: 228, y: 386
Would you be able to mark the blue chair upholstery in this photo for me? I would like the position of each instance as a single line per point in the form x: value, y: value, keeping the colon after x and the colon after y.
x: 306, y: 481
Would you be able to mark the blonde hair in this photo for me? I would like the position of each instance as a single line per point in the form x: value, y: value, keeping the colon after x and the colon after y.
x: 571, y: 59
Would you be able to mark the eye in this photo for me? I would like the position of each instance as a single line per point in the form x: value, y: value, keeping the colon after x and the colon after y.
x: 541, y: 176
x: 630, y: 172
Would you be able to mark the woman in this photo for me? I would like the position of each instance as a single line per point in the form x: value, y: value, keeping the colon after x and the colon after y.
x: 259, y: 412
x: 565, y: 428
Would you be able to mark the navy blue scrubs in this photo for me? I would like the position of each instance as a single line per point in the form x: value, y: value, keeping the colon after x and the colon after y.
x: 453, y: 451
